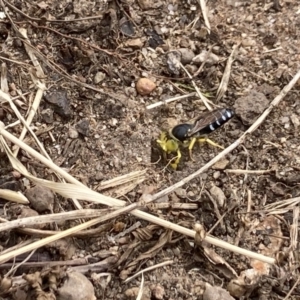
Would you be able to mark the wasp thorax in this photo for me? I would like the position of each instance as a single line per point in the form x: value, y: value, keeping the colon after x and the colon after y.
x: 180, y: 131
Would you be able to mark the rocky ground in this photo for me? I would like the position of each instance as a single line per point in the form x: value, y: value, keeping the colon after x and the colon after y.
x: 96, y: 121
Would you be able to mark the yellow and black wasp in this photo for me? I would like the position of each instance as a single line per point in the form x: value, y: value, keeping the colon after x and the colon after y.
x: 187, y: 134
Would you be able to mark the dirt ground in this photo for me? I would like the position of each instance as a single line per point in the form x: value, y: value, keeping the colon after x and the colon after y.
x: 94, y: 123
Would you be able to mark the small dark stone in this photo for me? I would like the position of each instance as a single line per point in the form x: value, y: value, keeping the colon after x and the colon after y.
x: 59, y: 100
x: 154, y: 38
x: 126, y: 27
x: 83, y: 127
x: 40, y: 198
x: 173, y: 62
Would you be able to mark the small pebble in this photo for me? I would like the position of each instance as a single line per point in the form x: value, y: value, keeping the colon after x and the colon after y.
x: 284, y: 120
x: 210, y: 58
x: 145, y: 86
x: 133, y: 292
x: 73, y: 133
x: 47, y: 115
x: 158, y: 292
x: 76, y: 286
x: 249, y: 18
x: 100, y: 76
x: 221, y: 164
x: 83, y: 127
x: 191, y: 194
x: 295, y: 120
x: 248, y: 42
x: 187, y: 55
x: 180, y: 192
x: 216, y: 174
x: 218, y: 195
x: 216, y: 293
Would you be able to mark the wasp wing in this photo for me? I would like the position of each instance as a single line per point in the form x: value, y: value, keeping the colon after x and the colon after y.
x: 205, y: 120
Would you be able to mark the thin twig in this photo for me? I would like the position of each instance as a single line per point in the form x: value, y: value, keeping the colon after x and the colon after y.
x: 59, y: 217
x: 292, y: 289
x: 204, y: 13
x: 202, y: 97
x: 225, y: 79
x: 216, y: 208
x: 159, y: 103
x: 250, y: 172
x: 165, y: 263
x: 204, y: 61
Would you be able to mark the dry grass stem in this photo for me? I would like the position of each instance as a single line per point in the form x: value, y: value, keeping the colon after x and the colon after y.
x: 141, y: 290
x: 59, y: 217
x: 294, y: 236
x: 249, y: 172
x: 40, y: 264
x: 159, y: 103
x: 127, y: 231
x: 63, y: 234
x: 225, y: 79
x: 166, y: 205
x: 36, y: 77
x: 165, y: 263
x: 4, y: 84
x: 136, y: 175
x: 204, y: 61
x: 272, y: 50
x: 80, y: 234
x: 13, y: 196
x: 216, y: 208
x: 288, y: 296
x: 201, y: 96
x: 204, y: 13
x: 287, y: 204
x: 16, y: 266
x: 21, y: 244
x: 6, y: 97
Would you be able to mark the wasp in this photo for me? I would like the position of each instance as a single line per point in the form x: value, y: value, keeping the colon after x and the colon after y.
x: 187, y: 134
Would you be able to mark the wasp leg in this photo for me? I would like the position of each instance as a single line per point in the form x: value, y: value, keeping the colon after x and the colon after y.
x: 202, y: 140
x: 175, y: 164
x: 191, y: 145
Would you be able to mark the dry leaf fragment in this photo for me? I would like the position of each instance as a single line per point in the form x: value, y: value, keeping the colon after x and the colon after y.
x: 218, y: 195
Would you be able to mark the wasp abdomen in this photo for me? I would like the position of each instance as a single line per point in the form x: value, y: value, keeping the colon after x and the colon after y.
x: 219, y: 118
